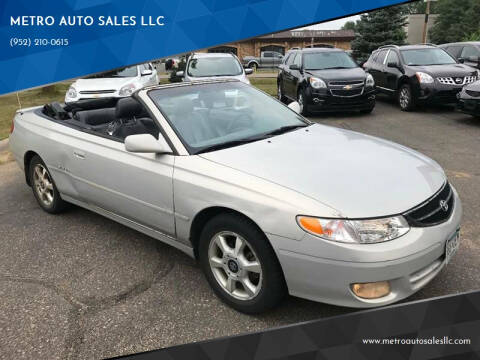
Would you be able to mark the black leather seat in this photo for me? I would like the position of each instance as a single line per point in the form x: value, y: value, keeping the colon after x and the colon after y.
x: 129, y: 108
x: 134, y: 119
x: 95, y: 117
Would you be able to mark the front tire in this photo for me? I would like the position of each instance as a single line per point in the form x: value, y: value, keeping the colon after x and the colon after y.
x: 44, y: 188
x: 240, y: 264
x: 405, y: 98
x: 302, y: 101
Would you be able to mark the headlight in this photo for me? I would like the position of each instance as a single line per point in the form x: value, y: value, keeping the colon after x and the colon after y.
x: 317, y: 83
x: 127, y: 90
x: 369, y: 82
x: 424, y: 78
x: 367, y: 231
x: 71, y: 92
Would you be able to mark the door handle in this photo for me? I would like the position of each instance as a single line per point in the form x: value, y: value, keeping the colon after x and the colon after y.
x: 79, y: 155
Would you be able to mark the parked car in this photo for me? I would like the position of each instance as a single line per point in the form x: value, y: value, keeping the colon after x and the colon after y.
x: 222, y: 171
x: 267, y: 59
x: 204, y: 66
x: 418, y: 74
x: 467, y: 53
x: 469, y: 99
x: 325, y: 79
x: 113, y: 84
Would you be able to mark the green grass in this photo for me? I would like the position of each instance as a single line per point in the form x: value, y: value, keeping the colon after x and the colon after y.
x: 41, y: 96
x: 269, y: 85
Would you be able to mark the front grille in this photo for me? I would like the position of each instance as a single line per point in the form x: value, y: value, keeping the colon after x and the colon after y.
x: 356, y: 83
x: 457, y: 80
x: 347, y: 93
x: 434, y: 211
x: 92, y: 92
x: 473, y: 93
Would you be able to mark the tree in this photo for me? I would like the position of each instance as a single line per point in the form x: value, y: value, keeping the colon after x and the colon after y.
x: 350, y: 25
x: 456, y: 20
x: 378, y: 28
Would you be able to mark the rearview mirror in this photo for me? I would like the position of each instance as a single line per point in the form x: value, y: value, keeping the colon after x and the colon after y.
x: 146, y: 143
x: 147, y: 72
x: 295, y: 106
x: 248, y: 71
x: 294, y: 67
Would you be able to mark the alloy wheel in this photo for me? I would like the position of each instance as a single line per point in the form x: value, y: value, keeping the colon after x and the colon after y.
x: 404, y: 98
x: 235, y: 266
x: 43, y: 185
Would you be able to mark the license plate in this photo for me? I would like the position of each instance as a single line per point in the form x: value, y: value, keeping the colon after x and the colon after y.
x: 451, y: 246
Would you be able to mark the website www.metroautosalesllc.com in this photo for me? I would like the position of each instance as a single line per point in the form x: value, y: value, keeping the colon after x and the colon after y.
x: 445, y: 340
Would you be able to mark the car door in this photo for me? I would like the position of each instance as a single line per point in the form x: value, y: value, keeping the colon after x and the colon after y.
x: 291, y: 79
x: 391, y: 74
x: 377, y: 69
x: 135, y: 186
x: 266, y: 59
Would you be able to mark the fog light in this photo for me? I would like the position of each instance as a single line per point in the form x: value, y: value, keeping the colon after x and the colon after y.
x: 373, y: 290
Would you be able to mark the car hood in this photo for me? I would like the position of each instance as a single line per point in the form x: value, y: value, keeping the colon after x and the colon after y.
x: 446, y: 70
x: 358, y: 175
x: 241, y: 77
x: 102, y: 83
x: 356, y: 73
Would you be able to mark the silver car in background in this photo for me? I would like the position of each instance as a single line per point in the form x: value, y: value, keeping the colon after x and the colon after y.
x: 268, y: 202
x: 212, y: 66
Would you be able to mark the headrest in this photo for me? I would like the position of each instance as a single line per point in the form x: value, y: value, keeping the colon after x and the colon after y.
x: 95, y: 117
x: 128, y: 108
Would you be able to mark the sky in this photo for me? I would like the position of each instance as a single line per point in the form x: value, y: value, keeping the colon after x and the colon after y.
x: 333, y: 25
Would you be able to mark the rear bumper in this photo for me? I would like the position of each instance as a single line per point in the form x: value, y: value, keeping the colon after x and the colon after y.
x: 325, y: 102
x: 323, y: 271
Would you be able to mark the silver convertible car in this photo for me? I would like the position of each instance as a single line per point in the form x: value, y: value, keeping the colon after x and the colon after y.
x: 268, y: 202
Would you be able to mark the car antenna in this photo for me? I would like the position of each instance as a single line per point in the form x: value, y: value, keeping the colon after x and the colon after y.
x: 19, y: 103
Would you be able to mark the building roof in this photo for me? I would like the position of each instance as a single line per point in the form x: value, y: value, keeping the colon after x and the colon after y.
x: 308, y: 34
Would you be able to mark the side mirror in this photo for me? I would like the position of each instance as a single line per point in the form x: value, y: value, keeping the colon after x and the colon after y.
x: 146, y: 143
x: 294, y: 67
x: 295, y: 106
x: 248, y: 71
x: 180, y: 73
x: 392, y: 65
x: 147, y: 72
x: 461, y: 60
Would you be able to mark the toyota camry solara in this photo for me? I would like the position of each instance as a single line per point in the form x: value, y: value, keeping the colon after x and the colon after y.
x: 268, y: 202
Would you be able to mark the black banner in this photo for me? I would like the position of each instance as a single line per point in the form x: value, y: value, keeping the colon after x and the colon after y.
x: 440, y: 328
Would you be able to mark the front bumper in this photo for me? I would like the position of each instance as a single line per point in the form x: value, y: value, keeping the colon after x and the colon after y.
x: 323, y: 271
x: 437, y: 93
x: 324, y: 101
x: 469, y: 105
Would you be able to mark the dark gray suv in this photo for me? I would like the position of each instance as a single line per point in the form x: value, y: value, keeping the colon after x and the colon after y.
x: 465, y: 52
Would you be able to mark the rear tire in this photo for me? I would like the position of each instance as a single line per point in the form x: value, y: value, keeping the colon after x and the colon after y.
x: 405, y: 98
x: 240, y: 265
x: 44, y: 188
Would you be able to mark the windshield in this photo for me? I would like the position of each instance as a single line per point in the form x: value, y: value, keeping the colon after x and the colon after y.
x: 214, y: 66
x: 328, y: 60
x: 130, y: 71
x: 427, y: 57
x: 223, y: 114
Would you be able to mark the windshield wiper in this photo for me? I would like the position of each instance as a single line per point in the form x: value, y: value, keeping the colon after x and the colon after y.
x: 284, y: 129
x: 228, y: 144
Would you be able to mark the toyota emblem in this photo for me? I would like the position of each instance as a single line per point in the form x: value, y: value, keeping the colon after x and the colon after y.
x: 444, y: 205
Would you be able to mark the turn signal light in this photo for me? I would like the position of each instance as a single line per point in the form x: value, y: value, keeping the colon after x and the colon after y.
x: 372, y: 290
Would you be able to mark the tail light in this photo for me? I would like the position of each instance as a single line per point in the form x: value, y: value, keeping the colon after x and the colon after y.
x: 12, y: 126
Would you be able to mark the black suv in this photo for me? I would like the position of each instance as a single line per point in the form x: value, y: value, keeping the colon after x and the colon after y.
x: 325, y: 79
x: 467, y: 53
x: 418, y: 74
